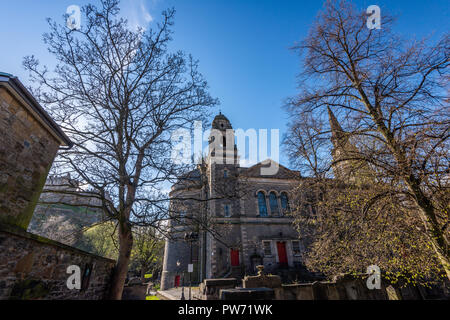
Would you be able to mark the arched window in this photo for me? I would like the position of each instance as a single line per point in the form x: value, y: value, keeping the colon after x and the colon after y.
x: 262, y: 204
x: 273, y: 203
x: 227, y: 210
x: 285, y: 202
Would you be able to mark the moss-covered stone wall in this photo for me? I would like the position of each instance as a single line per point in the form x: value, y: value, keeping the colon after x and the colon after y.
x: 33, y: 267
x: 27, y: 151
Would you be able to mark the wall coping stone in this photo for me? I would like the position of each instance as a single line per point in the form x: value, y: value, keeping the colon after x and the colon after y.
x: 247, y: 294
x: 220, y: 281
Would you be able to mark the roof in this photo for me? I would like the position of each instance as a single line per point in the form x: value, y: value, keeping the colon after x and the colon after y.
x: 221, y: 122
x: 12, y: 84
x: 282, y: 172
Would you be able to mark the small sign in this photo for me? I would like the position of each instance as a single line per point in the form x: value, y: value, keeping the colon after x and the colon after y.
x: 190, y: 267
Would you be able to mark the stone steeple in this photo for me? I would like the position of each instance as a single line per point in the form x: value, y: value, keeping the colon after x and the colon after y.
x: 344, y: 149
x: 221, y: 122
x: 222, y: 148
x: 338, y: 135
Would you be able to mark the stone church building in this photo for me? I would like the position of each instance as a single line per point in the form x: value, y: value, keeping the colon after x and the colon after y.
x: 237, y: 214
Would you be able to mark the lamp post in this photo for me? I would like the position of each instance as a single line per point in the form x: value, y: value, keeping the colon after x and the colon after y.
x: 190, y: 237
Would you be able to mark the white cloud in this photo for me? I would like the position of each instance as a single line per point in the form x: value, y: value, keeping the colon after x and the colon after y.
x: 147, y: 16
x: 137, y: 13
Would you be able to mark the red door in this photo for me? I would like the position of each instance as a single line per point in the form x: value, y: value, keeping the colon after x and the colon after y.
x: 177, y: 281
x: 282, y: 256
x: 234, y: 258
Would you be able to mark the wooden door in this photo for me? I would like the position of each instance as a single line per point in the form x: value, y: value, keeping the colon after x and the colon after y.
x: 177, y: 281
x: 282, y: 256
x: 234, y: 258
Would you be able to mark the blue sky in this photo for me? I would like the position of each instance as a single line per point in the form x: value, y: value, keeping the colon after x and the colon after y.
x: 242, y: 45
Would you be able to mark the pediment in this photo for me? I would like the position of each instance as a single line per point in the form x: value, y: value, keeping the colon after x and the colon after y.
x: 262, y: 170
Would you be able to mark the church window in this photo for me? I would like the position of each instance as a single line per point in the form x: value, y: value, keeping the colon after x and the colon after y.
x: 262, y: 204
x: 296, y: 247
x: 267, y: 248
x: 285, y: 202
x: 227, y: 210
x: 225, y: 173
x: 273, y: 203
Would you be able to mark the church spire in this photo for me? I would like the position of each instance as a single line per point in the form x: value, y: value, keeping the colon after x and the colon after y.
x: 337, y: 133
x: 343, y: 148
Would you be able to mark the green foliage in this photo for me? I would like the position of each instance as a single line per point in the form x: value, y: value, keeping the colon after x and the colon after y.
x: 147, y: 252
x: 346, y: 234
x: 101, y: 240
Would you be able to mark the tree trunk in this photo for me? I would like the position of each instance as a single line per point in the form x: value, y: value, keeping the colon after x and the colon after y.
x: 428, y: 216
x: 438, y: 240
x: 121, y: 269
x: 143, y: 274
x: 426, y: 208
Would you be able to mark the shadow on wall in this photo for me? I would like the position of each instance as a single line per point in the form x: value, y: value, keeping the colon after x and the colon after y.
x: 33, y: 267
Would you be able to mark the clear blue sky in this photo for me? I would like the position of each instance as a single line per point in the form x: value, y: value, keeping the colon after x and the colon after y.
x: 242, y: 45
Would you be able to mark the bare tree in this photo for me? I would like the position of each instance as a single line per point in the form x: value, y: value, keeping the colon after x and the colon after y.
x: 391, y: 97
x: 118, y: 93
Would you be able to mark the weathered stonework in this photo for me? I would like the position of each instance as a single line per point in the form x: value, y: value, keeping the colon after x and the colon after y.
x: 343, y: 288
x: 210, y: 288
x: 241, y: 231
x: 32, y: 267
x: 27, y: 149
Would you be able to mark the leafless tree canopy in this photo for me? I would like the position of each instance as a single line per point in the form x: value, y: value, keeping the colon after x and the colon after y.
x: 118, y: 93
x: 390, y: 95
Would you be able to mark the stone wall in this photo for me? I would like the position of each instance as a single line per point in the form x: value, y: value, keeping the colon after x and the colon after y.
x: 247, y: 294
x: 135, y: 292
x: 353, y: 290
x: 27, y: 151
x: 32, y: 267
x: 343, y: 288
x: 210, y: 288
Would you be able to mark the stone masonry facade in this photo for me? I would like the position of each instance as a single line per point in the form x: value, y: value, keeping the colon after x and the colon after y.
x: 248, y: 229
x: 27, y: 151
x: 32, y: 267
